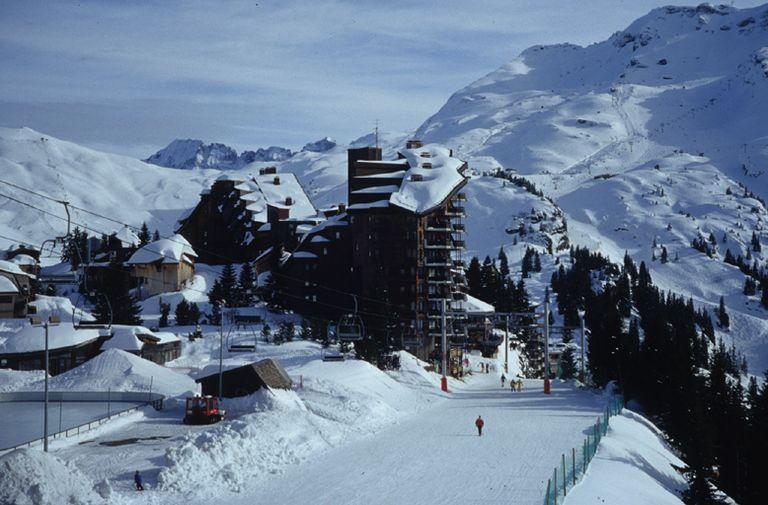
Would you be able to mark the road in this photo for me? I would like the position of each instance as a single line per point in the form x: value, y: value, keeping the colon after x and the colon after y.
x: 436, y: 457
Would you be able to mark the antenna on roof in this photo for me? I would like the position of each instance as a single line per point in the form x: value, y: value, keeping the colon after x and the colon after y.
x: 376, y: 133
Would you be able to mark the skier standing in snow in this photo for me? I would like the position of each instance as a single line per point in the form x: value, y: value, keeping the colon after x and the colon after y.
x: 503, y: 379
x: 137, y: 481
x: 479, y: 423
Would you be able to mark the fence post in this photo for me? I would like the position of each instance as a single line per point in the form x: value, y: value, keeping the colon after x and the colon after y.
x: 555, y: 486
x: 565, y: 479
x: 573, y: 461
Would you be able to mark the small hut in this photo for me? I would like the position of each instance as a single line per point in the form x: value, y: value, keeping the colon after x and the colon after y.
x: 247, y: 379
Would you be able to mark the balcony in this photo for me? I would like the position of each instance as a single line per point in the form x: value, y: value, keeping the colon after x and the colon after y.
x: 459, y: 227
x: 459, y: 263
x: 458, y: 295
x: 438, y: 226
x: 456, y: 210
x: 459, y: 244
x: 461, y: 197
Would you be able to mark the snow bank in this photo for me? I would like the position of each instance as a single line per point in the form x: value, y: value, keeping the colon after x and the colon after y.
x: 47, y: 306
x: 33, y: 477
x: 121, y: 371
x: 15, y: 380
x: 274, y: 429
x: 633, y: 465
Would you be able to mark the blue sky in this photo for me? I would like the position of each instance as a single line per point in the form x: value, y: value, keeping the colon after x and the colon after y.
x: 129, y: 77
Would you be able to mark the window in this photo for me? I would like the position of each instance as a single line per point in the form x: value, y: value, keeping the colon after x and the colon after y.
x: 6, y: 299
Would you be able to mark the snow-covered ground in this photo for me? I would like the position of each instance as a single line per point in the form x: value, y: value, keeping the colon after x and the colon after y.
x: 632, y: 466
x: 374, y: 431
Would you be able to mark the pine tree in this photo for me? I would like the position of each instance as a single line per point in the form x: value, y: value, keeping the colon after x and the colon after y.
x: 750, y: 286
x: 116, y: 298
x: 215, y: 316
x: 144, y: 235
x: 664, y: 255
x: 536, y: 262
x: 764, y: 294
x: 246, y: 285
x: 722, y: 315
x: 156, y: 236
x: 182, y: 313
x: 756, y: 243
x: 228, y: 283
x: 503, y: 264
x: 567, y: 364
x: 193, y: 315
x: 165, y: 310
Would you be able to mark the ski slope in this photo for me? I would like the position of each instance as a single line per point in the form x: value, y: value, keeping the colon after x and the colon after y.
x: 436, y: 457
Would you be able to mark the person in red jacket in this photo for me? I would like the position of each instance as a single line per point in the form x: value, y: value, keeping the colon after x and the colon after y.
x: 479, y: 423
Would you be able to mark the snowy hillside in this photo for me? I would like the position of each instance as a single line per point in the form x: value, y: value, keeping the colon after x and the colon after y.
x: 116, y: 186
x: 604, y: 130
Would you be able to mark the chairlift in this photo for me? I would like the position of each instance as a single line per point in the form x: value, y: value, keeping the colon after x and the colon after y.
x: 351, y: 327
x: 232, y: 345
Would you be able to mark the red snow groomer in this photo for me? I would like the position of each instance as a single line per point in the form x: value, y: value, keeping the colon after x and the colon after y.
x: 203, y: 410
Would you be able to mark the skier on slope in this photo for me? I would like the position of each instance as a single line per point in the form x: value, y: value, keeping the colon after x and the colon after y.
x: 503, y: 380
x: 137, y: 481
x: 479, y: 423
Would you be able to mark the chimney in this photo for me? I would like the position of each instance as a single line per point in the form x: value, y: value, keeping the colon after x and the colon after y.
x: 277, y: 180
x: 288, y: 200
x: 342, y: 207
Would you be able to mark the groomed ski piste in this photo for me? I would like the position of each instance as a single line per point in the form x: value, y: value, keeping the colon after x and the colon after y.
x: 351, y: 434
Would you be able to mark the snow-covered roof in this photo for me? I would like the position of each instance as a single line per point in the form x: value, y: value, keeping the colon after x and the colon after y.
x: 7, y: 286
x: 476, y: 306
x: 127, y: 338
x: 260, y: 190
x: 174, y: 249
x: 434, y: 185
x: 13, y: 268
x: 24, y: 337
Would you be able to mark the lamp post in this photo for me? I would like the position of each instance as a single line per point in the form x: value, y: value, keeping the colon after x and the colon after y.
x: 581, y: 312
x: 506, y: 344
x: 444, y: 342
x: 38, y: 323
x: 221, y: 348
x: 547, y: 385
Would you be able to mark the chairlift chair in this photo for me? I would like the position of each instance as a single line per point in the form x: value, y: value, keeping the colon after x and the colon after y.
x: 350, y: 327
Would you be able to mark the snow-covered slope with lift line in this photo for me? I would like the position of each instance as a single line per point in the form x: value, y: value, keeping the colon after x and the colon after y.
x: 638, y: 139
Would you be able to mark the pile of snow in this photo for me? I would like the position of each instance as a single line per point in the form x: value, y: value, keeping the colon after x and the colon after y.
x: 118, y: 370
x: 275, y: 429
x: 34, y: 477
x: 18, y: 380
x: 632, y: 465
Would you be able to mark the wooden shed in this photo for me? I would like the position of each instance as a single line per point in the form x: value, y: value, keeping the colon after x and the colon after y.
x: 247, y: 379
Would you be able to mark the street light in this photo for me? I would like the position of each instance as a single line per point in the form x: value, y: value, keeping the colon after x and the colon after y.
x: 547, y: 385
x: 581, y: 312
x: 38, y: 322
x: 222, y: 304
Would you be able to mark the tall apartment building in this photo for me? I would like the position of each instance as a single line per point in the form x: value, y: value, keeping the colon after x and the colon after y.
x: 405, y: 233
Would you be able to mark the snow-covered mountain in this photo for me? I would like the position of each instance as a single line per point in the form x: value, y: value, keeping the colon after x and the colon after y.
x: 115, y: 186
x: 190, y: 153
x: 641, y: 139
x: 320, y: 146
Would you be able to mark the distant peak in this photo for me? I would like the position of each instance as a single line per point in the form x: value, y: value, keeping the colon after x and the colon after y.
x: 320, y: 146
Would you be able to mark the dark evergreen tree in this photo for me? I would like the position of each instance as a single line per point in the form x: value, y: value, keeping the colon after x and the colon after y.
x: 750, y: 286
x: 503, y: 264
x: 722, y: 316
x: 182, y: 313
x: 473, y: 277
x: 144, y: 235
x: 165, y: 310
x: 305, y: 330
x: 756, y: 243
x: 116, y: 298
x: 567, y: 364
x: 246, y: 285
x: 156, y: 236
x: 664, y: 255
x: 193, y: 315
x: 228, y: 283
